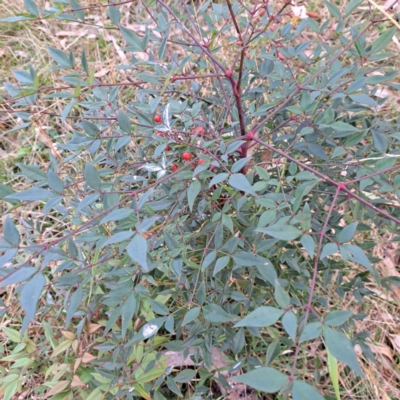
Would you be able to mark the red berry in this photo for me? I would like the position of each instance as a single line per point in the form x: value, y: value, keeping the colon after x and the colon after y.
x: 199, y: 130
x: 186, y: 156
x: 312, y: 14
x: 168, y: 148
x: 239, y: 43
x: 157, y: 118
x: 281, y: 57
x: 262, y: 12
x: 174, y: 167
x: 201, y: 162
x: 160, y: 134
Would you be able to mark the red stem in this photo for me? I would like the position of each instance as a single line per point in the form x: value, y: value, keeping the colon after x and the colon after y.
x: 341, y: 185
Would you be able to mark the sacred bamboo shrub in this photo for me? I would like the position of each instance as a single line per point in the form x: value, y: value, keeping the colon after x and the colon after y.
x: 211, y: 196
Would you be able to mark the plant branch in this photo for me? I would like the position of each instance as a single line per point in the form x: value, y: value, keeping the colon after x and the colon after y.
x: 341, y: 185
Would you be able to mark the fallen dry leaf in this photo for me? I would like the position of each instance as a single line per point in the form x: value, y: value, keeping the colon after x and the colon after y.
x: 93, y: 328
x: 87, y: 357
x: 76, y: 381
x: 395, y: 339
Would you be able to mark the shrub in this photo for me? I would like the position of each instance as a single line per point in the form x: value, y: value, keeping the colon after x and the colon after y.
x: 208, y: 199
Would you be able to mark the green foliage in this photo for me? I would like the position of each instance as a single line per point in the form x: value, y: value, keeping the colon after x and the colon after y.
x: 149, y: 237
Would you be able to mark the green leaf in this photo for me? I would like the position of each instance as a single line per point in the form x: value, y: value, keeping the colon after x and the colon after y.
x: 221, y: 263
x: 337, y: 317
x: 352, y: 5
x: 308, y: 243
x: 185, y: 376
x: 95, y: 394
x: 262, y: 316
x: 334, y: 11
x: 233, y: 146
x: 218, y: 179
x: 380, y: 141
x: 267, y: 271
x: 342, y: 349
x: 90, y: 128
x: 20, y: 275
x: 76, y: 299
x: 191, y: 315
x: 147, y: 223
x: 193, y: 191
x: 240, y: 182
x: 273, y: 352
x: 92, y: 177
x: 363, y: 99
x: 383, y: 40
x: 11, y: 334
x: 118, y: 237
x: 343, y: 127
x: 216, y: 314
x: 31, y: 7
x: 304, y: 391
x: 333, y: 373
x: 347, y: 233
x: 67, y: 109
x: 137, y: 251
x: 132, y: 39
x: 328, y: 250
x: 208, y: 259
x: 266, y: 218
x: 127, y: 311
x: 30, y: 295
x: 10, y: 232
x: 281, y: 231
x: 112, y: 319
x: 281, y: 297
x: 114, y: 14
x: 16, y: 19
x: 351, y: 252
x: 265, y: 379
x: 158, y: 307
x: 33, y: 172
x: 10, y: 390
x: 311, y: 331
x: 55, y: 183
x: 31, y: 195
x: 239, y: 164
x: 123, y: 120
x: 306, y: 218
x: 76, y: 6
x: 289, y: 322
x: 227, y: 221
x: 117, y: 215
x: 172, y: 386
x: 60, y: 57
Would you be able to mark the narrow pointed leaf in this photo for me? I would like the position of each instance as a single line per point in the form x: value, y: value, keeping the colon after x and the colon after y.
x: 265, y: 379
x: 31, y: 293
x: 262, y: 316
x: 137, y: 251
x: 342, y: 349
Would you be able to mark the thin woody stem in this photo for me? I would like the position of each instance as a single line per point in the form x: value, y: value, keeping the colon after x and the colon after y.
x: 202, y: 47
x: 307, y: 81
x: 314, y: 277
x: 391, y: 169
x: 341, y: 185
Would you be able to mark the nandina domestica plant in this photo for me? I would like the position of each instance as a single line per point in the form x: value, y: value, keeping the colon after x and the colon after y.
x: 233, y: 262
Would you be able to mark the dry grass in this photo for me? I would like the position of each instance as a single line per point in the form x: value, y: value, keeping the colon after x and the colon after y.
x: 23, y: 44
